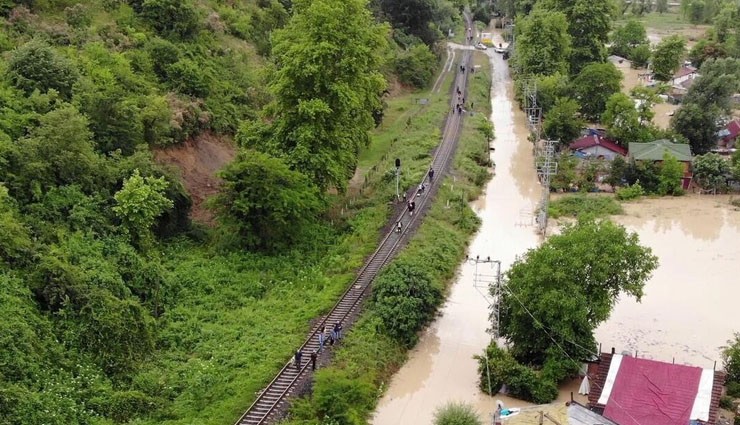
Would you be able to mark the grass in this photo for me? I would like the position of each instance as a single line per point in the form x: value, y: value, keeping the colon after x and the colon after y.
x: 670, y: 22
x: 368, y: 356
x: 584, y: 205
x: 232, y: 321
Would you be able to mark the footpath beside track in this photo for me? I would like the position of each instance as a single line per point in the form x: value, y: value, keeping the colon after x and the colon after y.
x: 272, y: 400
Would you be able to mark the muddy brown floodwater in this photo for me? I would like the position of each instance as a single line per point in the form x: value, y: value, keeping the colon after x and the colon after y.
x: 441, y: 367
x: 690, y: 306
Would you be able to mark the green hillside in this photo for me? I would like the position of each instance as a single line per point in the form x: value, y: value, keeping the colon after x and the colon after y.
x: 115, y: 307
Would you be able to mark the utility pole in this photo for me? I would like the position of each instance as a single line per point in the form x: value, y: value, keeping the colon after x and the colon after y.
x: 546, y: 168
x: 398, y: 174
x: 532, y: 109
x: 489, y: 285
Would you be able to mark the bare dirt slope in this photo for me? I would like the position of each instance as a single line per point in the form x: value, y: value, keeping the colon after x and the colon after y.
x: 198, y: 160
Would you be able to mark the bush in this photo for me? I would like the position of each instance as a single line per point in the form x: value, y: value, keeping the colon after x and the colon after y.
x: 171, y: 18
x: 726, y: 402
x: 405, y: 299
x: 578, y: 205
x: 630, y: 192
x: 340, y: 399
x: 456, y: 414
x: 416, y: 66
x: 498, y: 367
x: 36, y: 66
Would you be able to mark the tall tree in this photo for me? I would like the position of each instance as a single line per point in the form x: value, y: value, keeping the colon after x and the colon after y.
x: 326, y: 88
x: 139, y: 202
x: 543, y: 43
x: 589, y: 23
x: 593, y: 87
x: 667, y: 57
x: 627, y: 37
x: 268, y: 202
x: 425, y: 19
x: 671, y: 172
x: 699, y: 125
x: 568, y: 286
x: 622, y: 120
x: 711, y: 171
x: 563, y: 122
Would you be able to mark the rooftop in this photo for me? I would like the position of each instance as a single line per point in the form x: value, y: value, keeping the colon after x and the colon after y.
x: 654, y: 151
x: 596, y: 140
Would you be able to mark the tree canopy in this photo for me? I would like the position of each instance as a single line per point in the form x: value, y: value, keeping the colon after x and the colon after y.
x: 543, y: 43
x: 711, y: 171
x: 667, y: 57
x: 566, y: 287
x: 627, y: 37
x: 563, y: 121
x: 326, y: 87
x: 593, y: 86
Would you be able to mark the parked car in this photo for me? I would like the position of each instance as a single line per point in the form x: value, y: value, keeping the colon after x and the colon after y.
x: 481, y: 46
x: 500, y: 49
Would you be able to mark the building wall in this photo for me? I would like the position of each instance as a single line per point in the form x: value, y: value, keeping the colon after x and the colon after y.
x: 597, y: 151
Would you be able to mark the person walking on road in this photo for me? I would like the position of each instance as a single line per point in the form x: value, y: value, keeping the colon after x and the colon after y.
x: 313, y: 359
x: 398, y: 226
x: 336, y: 331
x: 431, y: 174
x: 298, y: 356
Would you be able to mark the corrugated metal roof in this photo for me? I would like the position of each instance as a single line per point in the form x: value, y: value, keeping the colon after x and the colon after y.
x: 654, y: 151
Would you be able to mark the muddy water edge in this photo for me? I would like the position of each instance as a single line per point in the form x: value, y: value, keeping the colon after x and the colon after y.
x: 441, y: 367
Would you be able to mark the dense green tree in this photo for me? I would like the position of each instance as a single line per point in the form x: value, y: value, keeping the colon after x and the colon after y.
x: 593, y: 87
x: 589, y: 23
x: 640, y: 56
x: 667, y: 57
x: 405, y: 298
x: 696, y: 11
x: 59, y: 151
x: 671, y: 172
x: 711, y: 171
x: 707, y: 103
x: 735, y: 165
x: 622, y: 120
x: 171, y: 18
x: 568, y: 286
x: 416, y: 65
x: 699, y: 125
x: 326, y: 88
x: 617, y: 170
x: 549, y: 89
x: 645, y: 98
x: 424, y: 19
x: 731, y: 363
x: 627, y: 37
x: 543, y: 43
x: 705, y: 49
x: 268, y: 202
x: 16, y: 240
x: 36, y: 66
x: 139, y: 202
x: 563, y: 122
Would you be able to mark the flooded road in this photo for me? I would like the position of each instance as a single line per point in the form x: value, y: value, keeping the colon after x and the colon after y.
x: 441, y: 368
x: 690, y: 305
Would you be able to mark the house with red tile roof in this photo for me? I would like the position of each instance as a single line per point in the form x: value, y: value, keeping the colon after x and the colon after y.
x: 597, y: 146
x: 684, y: 74
x: 728, y: 135
x: 633, y: 391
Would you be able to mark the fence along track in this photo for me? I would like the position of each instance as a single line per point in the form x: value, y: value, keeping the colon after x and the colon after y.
x: 272, y: 398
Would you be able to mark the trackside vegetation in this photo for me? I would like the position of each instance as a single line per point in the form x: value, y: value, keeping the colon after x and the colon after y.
x: 408, y: 291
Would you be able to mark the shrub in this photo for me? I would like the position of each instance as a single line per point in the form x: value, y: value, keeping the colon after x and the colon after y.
x: 416, y: 66
x: 340, y: 399
x: 189, y: 78
x: 405, y: 299
x: 456, y: 414
x: 578, y: 205
x: 77, y: 16
x: 498, y: 367
x: 630, y: 192
x: 171, y: 18
x: 36, y: 66
x: 726, y: 402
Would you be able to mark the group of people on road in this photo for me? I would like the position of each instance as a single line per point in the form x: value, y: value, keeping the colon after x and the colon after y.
x: 410, y: 203
x: 326, y: 336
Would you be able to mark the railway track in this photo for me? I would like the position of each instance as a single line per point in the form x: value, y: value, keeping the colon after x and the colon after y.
x: 268, y: 405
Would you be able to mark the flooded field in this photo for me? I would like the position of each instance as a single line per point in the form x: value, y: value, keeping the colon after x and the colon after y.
x: 631, y: 80
x: 690, y: 305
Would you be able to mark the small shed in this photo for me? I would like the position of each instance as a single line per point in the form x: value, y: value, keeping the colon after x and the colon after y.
x: 684, y: 74
x: 597, y: 146
x: 654, y: 152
